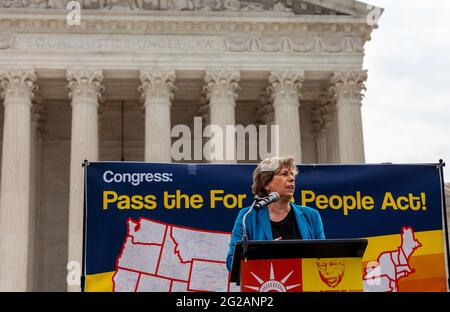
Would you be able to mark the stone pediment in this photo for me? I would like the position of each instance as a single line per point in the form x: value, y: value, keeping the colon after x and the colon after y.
x: 297, y: 7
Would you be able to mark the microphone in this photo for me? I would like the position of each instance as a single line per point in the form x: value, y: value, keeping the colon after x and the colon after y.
x: 258, y: 203
x: 262, y: 202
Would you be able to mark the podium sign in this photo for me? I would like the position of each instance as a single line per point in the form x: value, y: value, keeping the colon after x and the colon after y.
x: 300, y: 266
x: 302, y: 275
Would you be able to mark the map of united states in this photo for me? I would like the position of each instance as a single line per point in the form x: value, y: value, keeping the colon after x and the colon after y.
x: 157, y: 256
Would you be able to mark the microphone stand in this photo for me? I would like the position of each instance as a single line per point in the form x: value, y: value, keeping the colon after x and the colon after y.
x: 244, y: 228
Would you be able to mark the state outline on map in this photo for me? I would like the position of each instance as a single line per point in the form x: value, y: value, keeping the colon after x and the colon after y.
x: 142, y: 244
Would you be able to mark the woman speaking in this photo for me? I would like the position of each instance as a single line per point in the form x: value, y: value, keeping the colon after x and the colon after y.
x: 282, y: 219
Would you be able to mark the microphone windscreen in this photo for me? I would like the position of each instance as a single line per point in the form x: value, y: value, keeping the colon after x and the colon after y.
x: 275, y: 195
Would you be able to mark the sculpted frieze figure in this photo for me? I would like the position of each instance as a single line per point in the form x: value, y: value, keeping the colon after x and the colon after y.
x: 281, y: 7
x: 174, y: 5
x: 232, y: 5
x: 38, y: 4
x: 57, y: 4
x: 179, y: 5
x: 121, y: 4
x: 12, y: 4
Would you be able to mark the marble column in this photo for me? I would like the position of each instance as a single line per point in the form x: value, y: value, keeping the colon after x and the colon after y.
x: 157, y: 90
x: 84, y: 86
x: 347, y: 88
x: 222, y: 92
x: 267, y: 143
x: 331, y: 132
x: 18, y: 87
x: 328, y: 108
x: 319, y: 133
x: 285, y: 87
x: 37, y: 129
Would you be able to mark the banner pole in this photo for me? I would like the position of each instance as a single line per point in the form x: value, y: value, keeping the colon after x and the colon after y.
x: 83, y: 262
x: 441, y: 166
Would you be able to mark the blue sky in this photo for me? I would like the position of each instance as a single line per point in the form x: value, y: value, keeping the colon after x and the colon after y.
x: 406, y: 109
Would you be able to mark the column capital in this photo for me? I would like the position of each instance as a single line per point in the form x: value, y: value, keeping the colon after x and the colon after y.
x: 286, y: 84
x: 18, y: 83
x: 157, y: 84
x: 222, y: 84
x: 85, y: 83
x: 327, y: 97
x: 348, y: 84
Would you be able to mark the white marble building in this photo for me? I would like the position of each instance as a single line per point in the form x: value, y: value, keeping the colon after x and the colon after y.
x: 112, y: 88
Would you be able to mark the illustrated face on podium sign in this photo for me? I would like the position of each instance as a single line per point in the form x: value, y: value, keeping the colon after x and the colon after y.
x: 331, y: 271
x: 332, y: 274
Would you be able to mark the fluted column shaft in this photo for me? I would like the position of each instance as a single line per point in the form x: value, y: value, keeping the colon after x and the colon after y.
x: 17, y: 88
x: 331, y: 133
x: 157, y: 90
x: 37, y: 120
x: 285, y: 87
x: 85, y: 92
x: 222, y: 92
x: 317, y: 119
x: 347, y: 87
x: 322, y: 146
x: 333, y: 141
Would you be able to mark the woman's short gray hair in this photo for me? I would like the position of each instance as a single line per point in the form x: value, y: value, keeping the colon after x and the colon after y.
x: 266, y: 169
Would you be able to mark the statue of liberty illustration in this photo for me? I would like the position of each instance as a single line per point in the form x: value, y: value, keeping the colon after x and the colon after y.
x: 383, y: 275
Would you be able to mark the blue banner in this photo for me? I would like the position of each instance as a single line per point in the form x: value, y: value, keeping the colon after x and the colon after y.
x: 354, y: 201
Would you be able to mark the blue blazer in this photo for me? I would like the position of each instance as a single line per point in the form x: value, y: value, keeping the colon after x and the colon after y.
x: 259, y: 228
